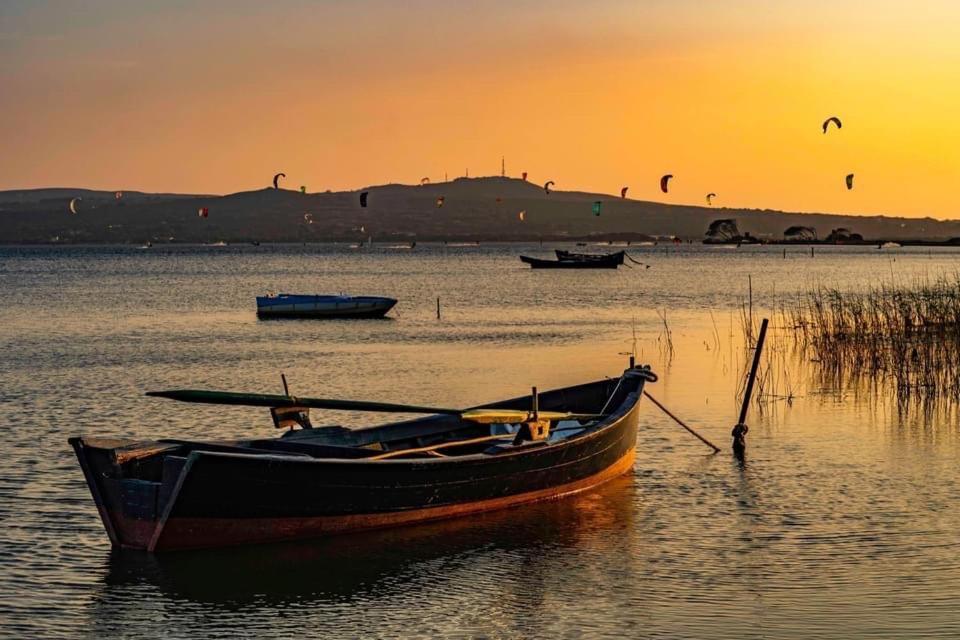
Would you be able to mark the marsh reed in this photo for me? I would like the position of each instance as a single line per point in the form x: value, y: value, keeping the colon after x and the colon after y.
x: 906, y: 334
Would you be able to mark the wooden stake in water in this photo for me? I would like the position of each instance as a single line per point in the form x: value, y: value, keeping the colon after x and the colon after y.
x: 438, y: 307
x: 739, y: 444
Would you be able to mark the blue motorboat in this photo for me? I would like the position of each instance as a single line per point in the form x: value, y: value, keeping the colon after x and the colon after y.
x: 291, y: 305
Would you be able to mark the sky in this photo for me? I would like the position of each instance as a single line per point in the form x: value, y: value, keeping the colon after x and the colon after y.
x: 728, y: 96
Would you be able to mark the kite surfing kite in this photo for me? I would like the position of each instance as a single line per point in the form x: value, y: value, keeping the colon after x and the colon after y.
x: 522, y: 215
x: 710, y: 197
x: 363, y: 198
x: 303, y: 188
x: 276, y: 180
x: 118, y: 195
x: 547, y: 185
x: 664, y: 182
x: 849, y: 181
x: 596, y: 207
x: 203, y: 212
x: 623, y: 192
x: 424, y: 181
x: 835, y: 120
x: 73, y: 205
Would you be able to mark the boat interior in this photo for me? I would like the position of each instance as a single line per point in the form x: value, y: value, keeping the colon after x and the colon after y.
x: 495, y: 429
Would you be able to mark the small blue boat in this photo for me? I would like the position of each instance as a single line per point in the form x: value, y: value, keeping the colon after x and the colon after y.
x: 290, y: 305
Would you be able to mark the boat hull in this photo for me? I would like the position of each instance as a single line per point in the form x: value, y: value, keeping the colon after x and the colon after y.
x: 323, y: 307
x: 215, y: 498
x: 192, y: 532
x: 606, y: 262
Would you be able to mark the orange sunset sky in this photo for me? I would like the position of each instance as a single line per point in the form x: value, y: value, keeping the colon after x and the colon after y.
x: 215, y: 97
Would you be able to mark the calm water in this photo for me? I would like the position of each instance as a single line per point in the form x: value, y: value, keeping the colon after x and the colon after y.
x: 842, y: 523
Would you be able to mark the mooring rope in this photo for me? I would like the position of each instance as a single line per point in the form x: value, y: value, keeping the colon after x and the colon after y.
x: 642, y: 264
x: 680, y: 422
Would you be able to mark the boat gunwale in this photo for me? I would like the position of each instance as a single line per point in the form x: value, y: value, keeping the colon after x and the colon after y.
x: 611, y: 420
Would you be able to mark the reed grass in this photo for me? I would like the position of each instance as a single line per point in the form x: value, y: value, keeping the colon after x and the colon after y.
x: 908, y: 334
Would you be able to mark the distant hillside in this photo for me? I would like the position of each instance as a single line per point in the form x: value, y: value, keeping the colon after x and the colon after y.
x: 473, y: 209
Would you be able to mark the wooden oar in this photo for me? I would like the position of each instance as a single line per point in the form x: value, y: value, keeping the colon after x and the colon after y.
x: 442, y: 445
x: 271, y: 400
x: 481, y: 415
x: 511, y: 416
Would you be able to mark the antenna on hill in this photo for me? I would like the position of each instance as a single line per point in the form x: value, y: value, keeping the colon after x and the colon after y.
x: 466, y: 173
x: 503, y: 167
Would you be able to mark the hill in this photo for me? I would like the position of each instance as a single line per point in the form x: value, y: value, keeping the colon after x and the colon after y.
x: 473, y: 209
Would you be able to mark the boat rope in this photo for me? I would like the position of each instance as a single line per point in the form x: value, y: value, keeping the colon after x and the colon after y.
x: 644, y: 372
x: 642, y: 264
x: 680, y: 422
x: 615, y: 389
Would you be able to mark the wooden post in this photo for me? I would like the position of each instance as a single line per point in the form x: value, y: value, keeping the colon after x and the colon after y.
x: 438, y: 307
x: 633, y: 362
x: 740, y: 429
x: 753, y: 373
x: 536, y: 404
x: 811, y: 251
x: 784, y: 254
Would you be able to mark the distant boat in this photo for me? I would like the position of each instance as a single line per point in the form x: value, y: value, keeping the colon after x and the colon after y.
x: 890, y: 245
x: 290, y: 305
x: 570, y: 255
x: 577, y: 261
x: 312, y: 482
x: 216, y: 244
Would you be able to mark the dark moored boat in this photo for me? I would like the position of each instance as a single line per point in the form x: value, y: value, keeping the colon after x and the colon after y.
x: 577, y: 261
x: 570, y: 255
x: 311, y: 482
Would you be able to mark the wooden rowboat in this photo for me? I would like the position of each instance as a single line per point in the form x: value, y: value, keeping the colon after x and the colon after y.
x: 311, y: 482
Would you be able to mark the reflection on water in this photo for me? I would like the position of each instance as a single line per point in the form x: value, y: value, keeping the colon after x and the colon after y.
x: 841, y: 521
x: 529, y: 552
x: 328, y: 570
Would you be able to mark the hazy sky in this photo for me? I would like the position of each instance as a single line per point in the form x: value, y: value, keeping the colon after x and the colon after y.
x: 728, y: 96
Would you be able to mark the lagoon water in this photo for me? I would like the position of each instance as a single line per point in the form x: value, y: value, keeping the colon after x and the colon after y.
x: 843, y: 522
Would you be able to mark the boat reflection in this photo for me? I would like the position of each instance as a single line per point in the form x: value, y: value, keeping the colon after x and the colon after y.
x: 378, y: 564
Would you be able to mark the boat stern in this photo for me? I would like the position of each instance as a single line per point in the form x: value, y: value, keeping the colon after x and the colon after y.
x: 129, y: 507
